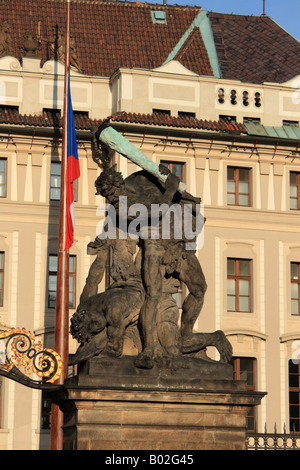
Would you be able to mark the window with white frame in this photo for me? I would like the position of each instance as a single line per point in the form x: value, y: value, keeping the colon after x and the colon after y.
x: 238, y: 186
x: 295, y: 288
x: 239, y: 282
x: 55, y: 178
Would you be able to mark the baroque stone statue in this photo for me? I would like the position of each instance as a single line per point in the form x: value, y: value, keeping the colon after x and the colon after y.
x: 58, y: 48
x: 150, y: 255
x: 5, y: 39
x: 29, y: 43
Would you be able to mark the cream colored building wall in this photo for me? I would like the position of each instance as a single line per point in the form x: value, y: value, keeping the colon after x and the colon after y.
x: 31, y: 87
x: 267, y: 232
x: 173, y: 87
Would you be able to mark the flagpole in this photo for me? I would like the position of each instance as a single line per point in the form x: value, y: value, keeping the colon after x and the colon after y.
x: 62, y: 291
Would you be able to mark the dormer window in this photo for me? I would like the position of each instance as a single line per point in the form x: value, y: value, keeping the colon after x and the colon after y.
x: 159, y: 17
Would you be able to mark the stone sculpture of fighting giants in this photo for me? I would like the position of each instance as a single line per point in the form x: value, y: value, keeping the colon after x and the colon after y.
x: 147, y: 264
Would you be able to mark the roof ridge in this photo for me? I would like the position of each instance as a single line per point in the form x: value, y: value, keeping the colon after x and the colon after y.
x: 133, y: 3
x: 186, y: 47
x: 238, y: 14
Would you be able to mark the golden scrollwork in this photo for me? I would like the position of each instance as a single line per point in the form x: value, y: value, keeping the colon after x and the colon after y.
x: 19, y: 350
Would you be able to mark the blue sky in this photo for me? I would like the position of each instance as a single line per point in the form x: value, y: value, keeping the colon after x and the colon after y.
x: 285, y: 12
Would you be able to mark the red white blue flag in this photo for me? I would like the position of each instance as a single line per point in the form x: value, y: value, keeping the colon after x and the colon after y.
x: 72, y: 172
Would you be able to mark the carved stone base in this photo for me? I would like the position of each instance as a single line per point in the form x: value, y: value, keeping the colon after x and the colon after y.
x: 188, y: 404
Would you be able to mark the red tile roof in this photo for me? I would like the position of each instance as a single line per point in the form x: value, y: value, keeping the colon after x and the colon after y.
x: 11, y: 117
x: 193, y: 54
x: 111, y: 34
x: 254, y: 49
x: 182, y: 122
x: 107, y: 34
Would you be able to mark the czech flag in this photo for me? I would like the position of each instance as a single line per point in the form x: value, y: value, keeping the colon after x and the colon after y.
x: 72, y: 172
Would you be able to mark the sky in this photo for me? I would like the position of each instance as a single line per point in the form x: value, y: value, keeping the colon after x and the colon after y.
x: 284, y: 12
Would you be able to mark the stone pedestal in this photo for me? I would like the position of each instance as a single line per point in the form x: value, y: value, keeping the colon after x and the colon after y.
x: 189, y: 404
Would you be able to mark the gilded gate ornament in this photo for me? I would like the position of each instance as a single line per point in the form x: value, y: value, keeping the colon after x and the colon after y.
x: 23, y: 359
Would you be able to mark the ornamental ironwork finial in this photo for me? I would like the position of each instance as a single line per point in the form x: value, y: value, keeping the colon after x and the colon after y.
x: 24, y: 360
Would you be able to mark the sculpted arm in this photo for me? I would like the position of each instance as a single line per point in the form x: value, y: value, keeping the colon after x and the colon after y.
x: 96, y: 274
x: 171, y: 185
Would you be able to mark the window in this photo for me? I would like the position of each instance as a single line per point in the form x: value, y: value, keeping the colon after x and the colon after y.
x: 251, y: 120
x: 245, y: 369
x: 239, y: 285
x: 295, y: 288
x: 46, y: 410
x: 186, y: 114
x: 52, y: 280
x: 175, y: 168
x: 55, y: 181
x: 1, y: 278
x: 238, y: 186
x: 72, y: 281
x: 294, y: 395
x: 3, y: 181
x: 9, y: 107
x: 162, y: 112
x: 53, y: 111
x: 294, y: 190
x: 81, y: 114
x: 159, y: 17
x: 290, y: 123
x: 228, y: 118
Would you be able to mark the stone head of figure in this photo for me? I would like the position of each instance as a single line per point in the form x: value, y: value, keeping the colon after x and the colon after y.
x: 109, y: 185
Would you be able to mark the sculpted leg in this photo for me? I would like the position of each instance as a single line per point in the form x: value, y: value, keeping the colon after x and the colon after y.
x: 192, y: 276
x: 198, y: 341
x: 115, y: 331
x: 168, y: 336
x: 153, y: 287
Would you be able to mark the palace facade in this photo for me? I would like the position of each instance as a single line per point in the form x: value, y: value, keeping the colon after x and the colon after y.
x: 213, y: 96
